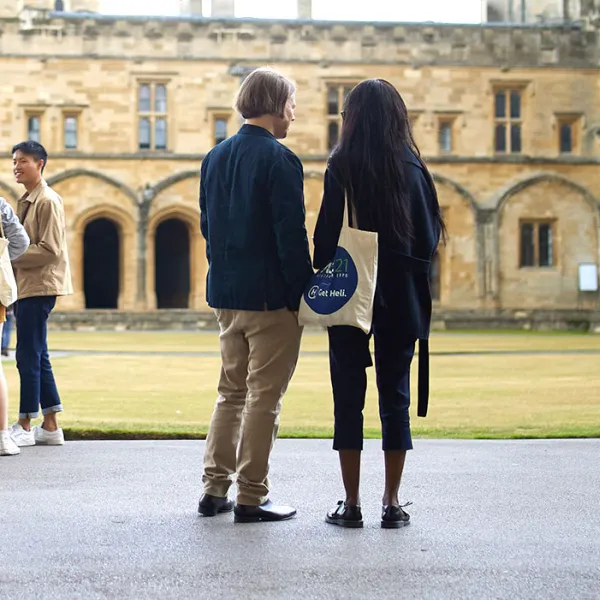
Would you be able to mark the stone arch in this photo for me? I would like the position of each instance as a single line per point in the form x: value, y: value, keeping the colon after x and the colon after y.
x: 501, y: 199
x: 70, y: 173
x: 458, y: 263
x: 573, y: 215
x: 176, y: 197
x: 126, y: 227
x: 10, y: 193
x: 167, y: 182
x: 84, y: 194
x: 458, y: 188
x: 197, y: 261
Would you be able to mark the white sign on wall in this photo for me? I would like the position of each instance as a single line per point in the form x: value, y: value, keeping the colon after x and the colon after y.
x: 588, y: 277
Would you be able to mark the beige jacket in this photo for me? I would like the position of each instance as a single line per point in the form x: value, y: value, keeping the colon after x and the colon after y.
x: 44, y: 268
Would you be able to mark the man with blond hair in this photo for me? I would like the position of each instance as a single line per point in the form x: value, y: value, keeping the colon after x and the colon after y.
x: 253, y: 220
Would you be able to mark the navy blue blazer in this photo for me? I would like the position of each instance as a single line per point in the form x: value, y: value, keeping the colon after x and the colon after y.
x: 403, y: 269
x: 252, y: 216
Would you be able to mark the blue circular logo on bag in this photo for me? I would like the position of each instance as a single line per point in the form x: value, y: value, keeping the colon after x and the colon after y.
x: 332, y: 287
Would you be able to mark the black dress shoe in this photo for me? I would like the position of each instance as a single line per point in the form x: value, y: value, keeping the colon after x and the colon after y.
x: 265, y: 512
x: 210, y: 506
x: 394, y: 517
x: 345, y: 516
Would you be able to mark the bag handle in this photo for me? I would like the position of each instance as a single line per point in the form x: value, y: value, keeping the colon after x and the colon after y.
x: 347, y: 213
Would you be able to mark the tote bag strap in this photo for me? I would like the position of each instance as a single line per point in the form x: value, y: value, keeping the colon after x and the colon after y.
x: 1, y: 228
x: 349, y: 213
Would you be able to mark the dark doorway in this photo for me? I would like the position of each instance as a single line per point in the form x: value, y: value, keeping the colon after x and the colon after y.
x: 101, y: 264
x: 172, y: 264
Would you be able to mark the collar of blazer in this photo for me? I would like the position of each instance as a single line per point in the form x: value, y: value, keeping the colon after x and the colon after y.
x: 31, y: 197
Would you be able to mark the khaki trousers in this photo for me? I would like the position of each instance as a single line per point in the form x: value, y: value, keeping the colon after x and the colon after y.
x: 259, y: 352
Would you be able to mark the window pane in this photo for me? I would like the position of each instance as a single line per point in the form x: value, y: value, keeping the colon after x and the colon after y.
x: 501, y: 105
x: 566, y: 138
x: 144, y: 98
x: 527, y: 245
x: 160, y: 134
x: 500, y: 141
x: 160, y: 99
x: 70, y: 133
x: 144, y: 134
x: 434, y: 276
x: 515, y: 139
x: 332, y: 134
x: 445, y: 134
x: 515, y: 105
x: 33, y: 129
x: 347, y: 90
x: 220, y: 130
x: 545, y: 248
x: 333, y: 103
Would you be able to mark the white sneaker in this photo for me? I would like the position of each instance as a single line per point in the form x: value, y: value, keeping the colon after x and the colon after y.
x: 21, y: 437
x: 48, y: 438
x: 7, y: 446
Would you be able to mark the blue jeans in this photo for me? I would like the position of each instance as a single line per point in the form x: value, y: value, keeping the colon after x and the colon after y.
x: 37, y: 380
x: 7, y: 330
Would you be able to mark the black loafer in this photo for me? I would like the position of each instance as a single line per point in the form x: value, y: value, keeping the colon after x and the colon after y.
x: 345, y: 516
x: 394, y: 517
x: 210, y: 506
x: 265, y: 512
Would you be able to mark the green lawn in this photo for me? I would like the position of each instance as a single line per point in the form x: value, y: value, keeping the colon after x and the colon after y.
x: 315, y: 342
x: 472, y: 396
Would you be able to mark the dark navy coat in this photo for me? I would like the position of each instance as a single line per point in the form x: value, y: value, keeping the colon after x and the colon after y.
x: 253, y: 219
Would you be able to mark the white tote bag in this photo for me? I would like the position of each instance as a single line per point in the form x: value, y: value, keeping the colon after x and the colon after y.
x: 8, y: 285
x: 344, y: 291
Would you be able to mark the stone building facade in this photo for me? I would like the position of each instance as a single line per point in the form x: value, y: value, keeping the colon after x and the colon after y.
x: 506, y: 115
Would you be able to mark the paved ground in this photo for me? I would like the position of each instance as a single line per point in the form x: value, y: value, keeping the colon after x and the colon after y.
x: 117, y: 520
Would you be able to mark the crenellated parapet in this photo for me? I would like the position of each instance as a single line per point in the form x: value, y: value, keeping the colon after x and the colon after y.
x: 46, y: 33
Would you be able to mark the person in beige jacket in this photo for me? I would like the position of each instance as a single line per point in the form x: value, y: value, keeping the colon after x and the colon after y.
x: 42, y: 274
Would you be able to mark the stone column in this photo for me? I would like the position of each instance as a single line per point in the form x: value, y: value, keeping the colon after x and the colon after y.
x: 498, y: 11
x: 305, y: 9
x: 488, y: 252
x: 190, y: 8
x: 92, y: 6
x: 223, y: 9
x: 144, y: 203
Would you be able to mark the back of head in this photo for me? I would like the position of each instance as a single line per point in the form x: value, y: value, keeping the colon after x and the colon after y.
x: 376, y: 133
x: 264, y: 92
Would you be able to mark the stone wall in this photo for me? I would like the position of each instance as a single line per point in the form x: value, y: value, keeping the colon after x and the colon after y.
x: 91, y: 68
x: 443, y: 320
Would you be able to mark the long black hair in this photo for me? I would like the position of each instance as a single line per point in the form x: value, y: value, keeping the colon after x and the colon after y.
x: 367, y: 160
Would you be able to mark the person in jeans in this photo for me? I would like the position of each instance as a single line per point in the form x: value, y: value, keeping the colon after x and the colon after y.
x: 18, y: 241
x: 42, y: 274
x: 390, y: 191
x: 253, y: 220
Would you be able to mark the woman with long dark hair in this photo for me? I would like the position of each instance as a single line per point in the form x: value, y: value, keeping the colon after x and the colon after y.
x: 376, y: 167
